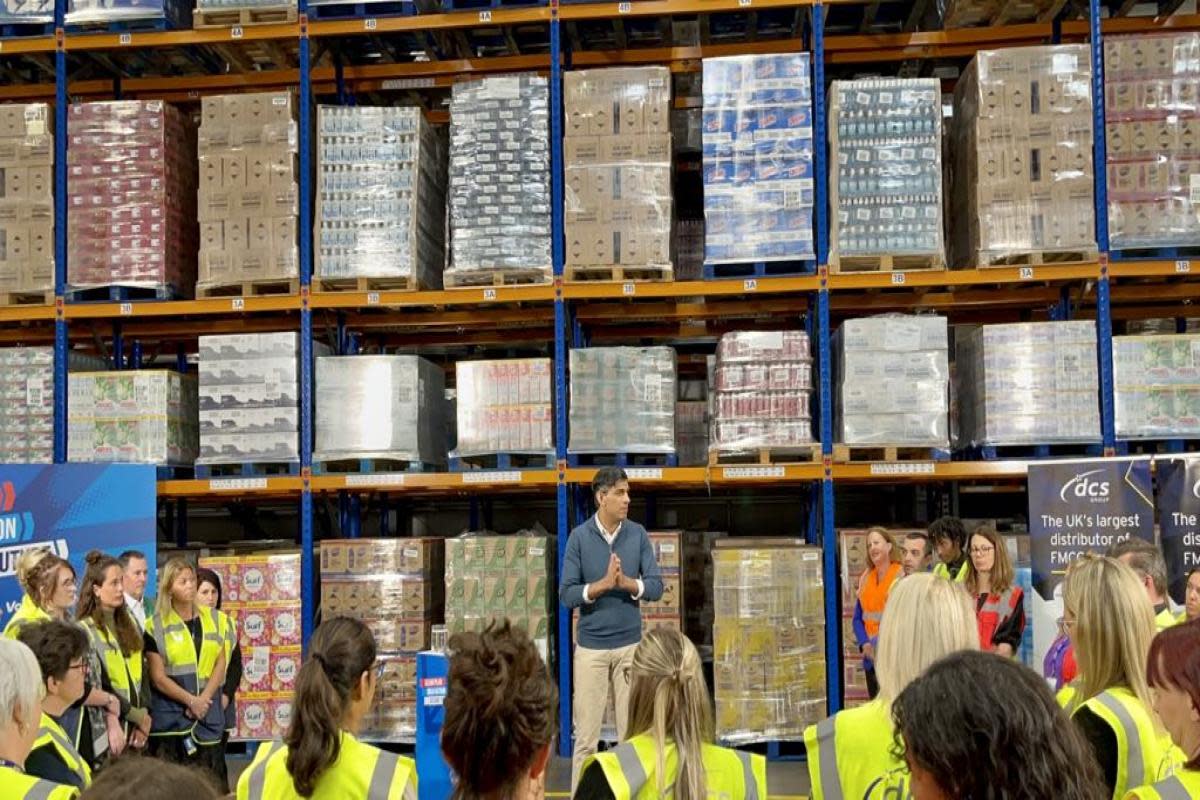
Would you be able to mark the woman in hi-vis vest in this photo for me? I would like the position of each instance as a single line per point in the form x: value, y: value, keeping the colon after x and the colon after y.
x: 1111, y: 624
x: 320, y: 756
x: 926, y: 618
x: 873, y: 587
x: 117, y: 642
x: 671, y: 750
x: 185, y: 656
x: 20, y: 711
x: 1173, y: 672
x: 498, y: 681
x: 999, y: 602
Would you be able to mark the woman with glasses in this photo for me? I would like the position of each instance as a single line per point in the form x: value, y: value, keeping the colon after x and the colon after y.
x: 61, y: 651
x: 1111, y: 624
x: 873, y: 588
x: 999, y: 606
x: 320, y: 758
x: 20, y: 694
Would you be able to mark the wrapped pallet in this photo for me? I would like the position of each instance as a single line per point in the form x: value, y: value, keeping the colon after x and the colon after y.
x: 622, y: 399
x: 1157, y: 385
x: 27, y: 199
x: 132, y: 416
x: 763, y: 383
x: 504, y: 406
x: 1022, y: 142
x: 27, y: 401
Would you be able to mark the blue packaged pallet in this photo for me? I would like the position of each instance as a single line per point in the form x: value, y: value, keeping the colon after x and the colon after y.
x: 757, y: 133
x: 129, y: 14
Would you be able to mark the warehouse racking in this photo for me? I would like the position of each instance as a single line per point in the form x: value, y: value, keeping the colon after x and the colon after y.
x: 182, y: 65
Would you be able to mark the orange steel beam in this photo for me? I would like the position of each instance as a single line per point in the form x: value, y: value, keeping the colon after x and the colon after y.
x: 179, y: 308
x: 965, y: 277
x: 480, y: 295
x: 83, y: 42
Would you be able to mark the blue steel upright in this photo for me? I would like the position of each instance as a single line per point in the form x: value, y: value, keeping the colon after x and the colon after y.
x: 560, y: 374
x: 833, y: 611
x: 1108, y: 426
x: 61, y: 342
x: 307, y: 598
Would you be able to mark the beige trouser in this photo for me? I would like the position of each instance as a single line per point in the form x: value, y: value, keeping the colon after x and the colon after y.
x: 596, y: 672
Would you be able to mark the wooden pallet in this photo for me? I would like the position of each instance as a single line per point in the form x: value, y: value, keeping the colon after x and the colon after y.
x: 228, y: 17
x: 250, y: 469
x: 1039, y: 258
x: 407, y: 283
x: 502, y: 461
x: 370, y: 466
x: 43, y: 298
x: 886, y: 263
x: 859, y: 454
x: 968, y: 13
x: 499, y: 277
x: 766, y: 456
x: 619, y: 274
x: 256, y: 288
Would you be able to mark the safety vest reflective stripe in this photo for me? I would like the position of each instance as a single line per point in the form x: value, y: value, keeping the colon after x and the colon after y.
x: 258, y: 773
x: 1135, y: 760
x: 124, y: 682
x: 631, y: 766
x: 50, y: 733
x: 1001, y: 603
x: 748, y: 775
x: 381, y: 777
x: 872, y: 616
x: 831, y: 780
x: 41, y: 790
x: 1172, y: 789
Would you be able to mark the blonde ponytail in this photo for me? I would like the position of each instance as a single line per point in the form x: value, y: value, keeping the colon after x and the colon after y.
x: 668, y: 699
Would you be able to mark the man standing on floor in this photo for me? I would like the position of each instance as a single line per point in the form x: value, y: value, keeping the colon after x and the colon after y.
x: 136, y: 568
x: 609, y: 568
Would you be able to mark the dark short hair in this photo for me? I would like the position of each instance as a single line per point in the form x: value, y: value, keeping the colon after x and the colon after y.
x: 206, y: 575
x: 137, y: 777
x: 921, y: 535
x: 129, y: 555
x: 1146, y: 559
x: 950, y: 529
x: 606, y: 478
x: 55, y: 644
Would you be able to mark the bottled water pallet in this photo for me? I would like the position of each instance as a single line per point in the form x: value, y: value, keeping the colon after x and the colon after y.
x: 255, y: 288
x: 12, y: 29
x: 42, y: 298
x: 502, y: 461
x: 245, y: 16
x: 1156, y: 253
x: 371, y: 466
x: 930, y: 262
x: 623, y: 458
x: 715, y: 271
x: 249, y: 469
x: 393, y: 8
x: 994, y: 452
x: 122, y: 294
x: 765, y: 456
x: 865, y: 453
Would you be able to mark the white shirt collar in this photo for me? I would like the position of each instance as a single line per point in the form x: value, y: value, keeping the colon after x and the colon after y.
x: 610, y: 537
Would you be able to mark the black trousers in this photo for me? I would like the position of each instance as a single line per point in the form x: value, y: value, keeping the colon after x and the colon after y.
x: 210, y: 758
x: 872, y: 683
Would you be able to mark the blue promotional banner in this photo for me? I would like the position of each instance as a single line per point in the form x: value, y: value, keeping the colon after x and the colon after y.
x: 71, y: 509
x: 1179, y: 520
x: 1076, y: 507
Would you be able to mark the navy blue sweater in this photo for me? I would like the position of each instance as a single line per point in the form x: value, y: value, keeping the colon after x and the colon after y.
x: 614, y: 619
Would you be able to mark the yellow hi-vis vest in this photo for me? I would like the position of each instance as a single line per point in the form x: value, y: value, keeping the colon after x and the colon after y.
x: 49, y: 732
x: 895, y: 785
x: 849, y: 751
x: 942, y: 571
x: 28, y: 611
x: 1183, y: 785
x: 227, y: 630
x: 16, y: 785
x: 1142, y: 752
x: 175, y: 645
x: 360, y: 771
x: 124, y: 672
x: 630, y: 770
x: 1165, y: 619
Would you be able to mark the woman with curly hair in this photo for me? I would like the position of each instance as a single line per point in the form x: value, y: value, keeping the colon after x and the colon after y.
x: 977, y: 725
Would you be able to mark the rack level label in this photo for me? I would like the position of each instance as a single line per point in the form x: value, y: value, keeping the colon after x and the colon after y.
x: 905, y: 468
x: 644, y: 473
x: 492, y: 476
x: 1183, y: 266
x: 1026, y: 273
x: 376, y: 479
x: 236, y: 484
x: 752, y: 473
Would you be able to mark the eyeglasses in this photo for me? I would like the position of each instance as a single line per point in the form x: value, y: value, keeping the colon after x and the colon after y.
x: 981, y: 551
x: 82, y: 666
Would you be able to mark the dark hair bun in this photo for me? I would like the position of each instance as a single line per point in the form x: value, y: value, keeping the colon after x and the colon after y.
x: 93, y: 557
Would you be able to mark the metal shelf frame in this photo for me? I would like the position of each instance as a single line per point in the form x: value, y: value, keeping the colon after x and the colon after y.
x: 823, y: 289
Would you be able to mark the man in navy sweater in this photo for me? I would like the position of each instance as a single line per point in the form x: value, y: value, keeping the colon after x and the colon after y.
x: 609, y: 569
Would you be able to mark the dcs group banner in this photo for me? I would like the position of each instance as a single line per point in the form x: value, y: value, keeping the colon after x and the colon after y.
x: 1179, y: 519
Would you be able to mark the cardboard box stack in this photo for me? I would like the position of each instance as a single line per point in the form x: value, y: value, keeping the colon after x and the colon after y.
x: 886, y: 155
x: 133, y: 416
x: 968, y: 13
x: 892, y: 376
x: 261, y: 593
x: 504, y: 406
x: 395, y: 586
x: 1157, y: 386
x: 668, y: 610
x: 492, y: 577
x: 380, y: 197
x: 622, y: 399
x: 248, y: 188
x: 691, y: 432
x: 500, y: 179
x: 1028, y: 383
x: 131, y: 196
x: 386, y: 407
x: 1152, y: 117
x: 27, y: 401
x: 769, y: 634
x: 763, y: 382
x: 1022, y: 136
x: 249, y: 397
x: 618, y: 168
x: 27, y: 197
x: 758, y: 158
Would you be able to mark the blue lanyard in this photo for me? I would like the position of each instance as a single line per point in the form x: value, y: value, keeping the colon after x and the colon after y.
x: 4, y: 762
